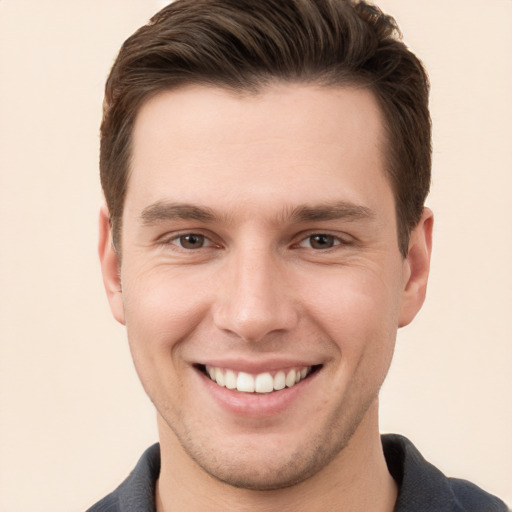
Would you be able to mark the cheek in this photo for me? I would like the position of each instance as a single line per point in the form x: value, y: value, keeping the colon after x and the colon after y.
x: 358, y: 308
x: 161, y: 312
x: 161, y: 309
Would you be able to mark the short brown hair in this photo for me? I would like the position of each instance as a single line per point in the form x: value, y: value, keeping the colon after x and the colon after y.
x: 243, y: 45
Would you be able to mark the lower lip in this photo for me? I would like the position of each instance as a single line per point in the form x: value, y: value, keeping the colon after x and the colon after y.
x: 256, y: 404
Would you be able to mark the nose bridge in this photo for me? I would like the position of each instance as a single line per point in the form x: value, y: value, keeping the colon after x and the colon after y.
x: 256, y: 300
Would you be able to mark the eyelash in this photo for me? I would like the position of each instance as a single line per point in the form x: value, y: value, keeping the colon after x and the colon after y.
x: 332, y: 240
x: 178, y: 241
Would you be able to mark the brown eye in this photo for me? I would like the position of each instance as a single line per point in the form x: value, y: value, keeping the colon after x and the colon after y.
x: 192, y: 241
x: 322, y: 241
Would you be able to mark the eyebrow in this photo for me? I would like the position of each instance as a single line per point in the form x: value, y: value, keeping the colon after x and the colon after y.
x: 164, y: 211
x: 341, y: 210
x: 161, y: 211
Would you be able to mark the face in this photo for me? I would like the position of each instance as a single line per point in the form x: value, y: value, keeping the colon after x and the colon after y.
x: 261, y: 283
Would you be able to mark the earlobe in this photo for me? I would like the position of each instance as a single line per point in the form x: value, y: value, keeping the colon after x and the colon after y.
x: 416, y: 268
x: 110, y: 267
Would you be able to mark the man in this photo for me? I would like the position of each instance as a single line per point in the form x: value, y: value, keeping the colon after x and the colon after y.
x: 265, y: 166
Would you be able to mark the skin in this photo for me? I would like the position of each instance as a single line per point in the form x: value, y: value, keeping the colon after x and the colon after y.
x: 256, y: 177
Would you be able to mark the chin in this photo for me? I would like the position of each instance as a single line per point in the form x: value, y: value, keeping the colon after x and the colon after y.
x: 266, y: 463
x: 259, y: 474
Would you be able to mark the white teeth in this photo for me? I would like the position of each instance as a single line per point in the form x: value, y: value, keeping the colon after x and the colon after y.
x: 279, y: 381
x: 261, y: 383
x: 230, y: 379
x: 264, y: 383
x: 219, y: 377
x: 245, y: 382
x: 290, y: 378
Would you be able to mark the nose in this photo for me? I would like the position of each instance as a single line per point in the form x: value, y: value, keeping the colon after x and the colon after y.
x: 255, y: 298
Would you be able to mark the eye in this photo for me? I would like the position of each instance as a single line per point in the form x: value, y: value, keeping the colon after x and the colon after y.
x: 320, y: 241
x: 191, y: 241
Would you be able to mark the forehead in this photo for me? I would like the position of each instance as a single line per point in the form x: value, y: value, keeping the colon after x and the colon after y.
x: 284, y: 143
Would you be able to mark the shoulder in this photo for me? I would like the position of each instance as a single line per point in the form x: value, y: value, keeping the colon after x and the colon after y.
x: 423, y: 487
x: 137, y: 492
x: 472, y: 498
x: 109, y: 503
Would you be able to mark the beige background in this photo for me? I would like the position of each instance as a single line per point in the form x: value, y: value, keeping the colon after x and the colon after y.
x: 73, y: 419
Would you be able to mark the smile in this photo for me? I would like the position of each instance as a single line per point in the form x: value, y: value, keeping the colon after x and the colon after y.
x: 266, y: 382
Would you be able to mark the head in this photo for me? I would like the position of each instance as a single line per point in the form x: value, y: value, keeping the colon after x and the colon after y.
x: 265, y: 165
x: 244, y: 46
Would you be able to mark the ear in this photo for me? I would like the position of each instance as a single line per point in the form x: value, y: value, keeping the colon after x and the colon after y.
x: 110, y: 266
x: 416, y: 268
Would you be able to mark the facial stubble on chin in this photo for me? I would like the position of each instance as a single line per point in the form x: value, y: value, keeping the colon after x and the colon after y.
x: 306, y: 461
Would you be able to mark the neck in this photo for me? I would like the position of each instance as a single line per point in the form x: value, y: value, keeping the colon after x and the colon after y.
x: 356, y: 480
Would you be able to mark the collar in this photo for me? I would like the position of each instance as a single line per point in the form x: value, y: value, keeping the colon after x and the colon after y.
x: 422, y: 487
